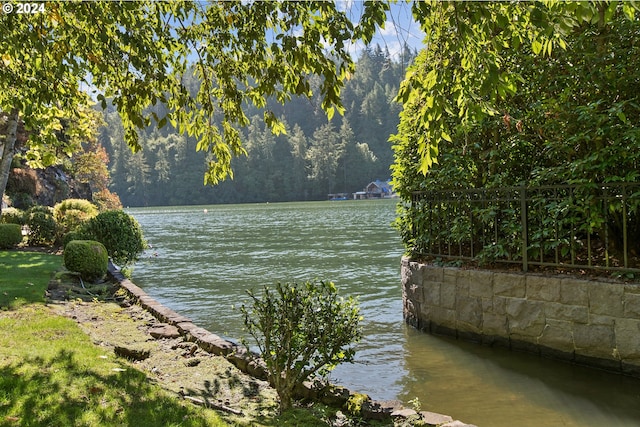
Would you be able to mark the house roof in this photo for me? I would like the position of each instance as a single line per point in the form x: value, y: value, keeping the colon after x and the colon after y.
x: 381, y: 186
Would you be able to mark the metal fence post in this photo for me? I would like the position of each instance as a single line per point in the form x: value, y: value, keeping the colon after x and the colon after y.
x: 523, y: 220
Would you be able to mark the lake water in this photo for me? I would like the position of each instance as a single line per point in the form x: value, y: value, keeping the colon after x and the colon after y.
x: 204, y: 258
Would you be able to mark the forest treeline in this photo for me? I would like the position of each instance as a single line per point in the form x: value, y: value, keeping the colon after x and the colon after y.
x: 315, y: 157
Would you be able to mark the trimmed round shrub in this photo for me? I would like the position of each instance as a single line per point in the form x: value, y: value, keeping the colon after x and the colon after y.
x: 120, y: 233
x: 12, y: 216
x: 42, y: 227
x: 10, y: 235
x: 87, y: 257
x: 71, y: 214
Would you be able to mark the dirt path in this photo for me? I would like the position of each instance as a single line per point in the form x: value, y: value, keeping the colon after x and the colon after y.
x: 172, y: 362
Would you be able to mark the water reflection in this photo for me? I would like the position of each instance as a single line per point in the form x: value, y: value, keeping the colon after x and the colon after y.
x: 496, y: 387
x: 201, y: 264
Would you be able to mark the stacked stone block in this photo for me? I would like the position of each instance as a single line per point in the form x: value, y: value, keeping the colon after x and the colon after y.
x: 589, y: 322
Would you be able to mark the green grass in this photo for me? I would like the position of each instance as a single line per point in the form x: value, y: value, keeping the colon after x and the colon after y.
x: 24, y: 277
x: 52, y: 375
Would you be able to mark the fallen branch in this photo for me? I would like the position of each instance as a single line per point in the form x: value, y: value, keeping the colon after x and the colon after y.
x: 211, y: 405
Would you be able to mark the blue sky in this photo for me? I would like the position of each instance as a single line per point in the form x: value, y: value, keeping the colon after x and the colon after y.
x: 400, y: 27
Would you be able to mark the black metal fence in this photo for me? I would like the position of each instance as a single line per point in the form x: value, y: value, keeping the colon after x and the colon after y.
x: 593, y: 226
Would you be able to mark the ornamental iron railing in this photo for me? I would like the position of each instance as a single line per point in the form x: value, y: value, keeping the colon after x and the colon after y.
x: 589, y: 226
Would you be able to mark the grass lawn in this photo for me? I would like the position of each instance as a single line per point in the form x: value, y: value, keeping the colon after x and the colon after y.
x: 24, y: 277
x: 52, y: 375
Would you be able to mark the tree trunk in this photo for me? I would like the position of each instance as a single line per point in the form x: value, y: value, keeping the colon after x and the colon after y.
x: 7, y: 152
x: 286, y: 399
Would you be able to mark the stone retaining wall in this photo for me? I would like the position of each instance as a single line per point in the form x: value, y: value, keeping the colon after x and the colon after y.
x: 588, y: 322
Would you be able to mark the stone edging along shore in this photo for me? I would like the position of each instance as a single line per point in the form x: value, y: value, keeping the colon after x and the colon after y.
x: 252, y: 365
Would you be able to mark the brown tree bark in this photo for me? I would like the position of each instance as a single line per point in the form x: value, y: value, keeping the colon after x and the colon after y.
x: 7, y: 151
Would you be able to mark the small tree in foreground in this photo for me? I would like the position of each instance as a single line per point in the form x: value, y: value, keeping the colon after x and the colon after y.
x: 302, y: 330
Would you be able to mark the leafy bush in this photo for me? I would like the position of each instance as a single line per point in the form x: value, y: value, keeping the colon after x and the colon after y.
x: 22, y: 200
x: 87, y: 257
x: 74, y: 204
x: 12, y: 216
x: 72, y: 220
x: 10, y: 235
x: 70, y: 214
x: 302, y: 330
x: 120, y: 233
x: 105, y: 200
x: 42, y: 226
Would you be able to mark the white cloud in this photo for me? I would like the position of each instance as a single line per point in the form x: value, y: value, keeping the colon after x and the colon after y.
x: 399, y: 29
x: 389, y: 29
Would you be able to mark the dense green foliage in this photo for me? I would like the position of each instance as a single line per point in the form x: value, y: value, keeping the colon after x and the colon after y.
x: 73, y: 235
x: 301, y: 330
x: 312, y: 159
x: 463, y: 74
x: 42, y: 226
x: 10, y: 235
x: 87, y: 257
x: 77, y: 219
x: 12, y: 216
x: 540, y: 116
x: 71, y: 214
x: 119, y: 232
x: 573, y: 119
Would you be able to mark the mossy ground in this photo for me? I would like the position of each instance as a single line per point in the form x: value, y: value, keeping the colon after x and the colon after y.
x: 174, y: 364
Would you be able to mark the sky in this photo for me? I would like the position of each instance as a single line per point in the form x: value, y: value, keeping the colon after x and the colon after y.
x: 399, y: 28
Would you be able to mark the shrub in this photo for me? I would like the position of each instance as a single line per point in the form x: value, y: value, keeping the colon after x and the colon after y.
x: 70, y: 214
x: 105, y: 200
x: 302, y: 330
x: 42, y: 226
x: 12, y: 216
x: 75, y: 204
x: 87, y: 257
x: 83, y: 206
x: 120, y: 233
x: 23, y: 200
x: 10, y: 235
x: 72, y: 220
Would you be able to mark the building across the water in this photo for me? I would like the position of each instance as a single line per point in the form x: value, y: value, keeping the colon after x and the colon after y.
x: 375, y: 190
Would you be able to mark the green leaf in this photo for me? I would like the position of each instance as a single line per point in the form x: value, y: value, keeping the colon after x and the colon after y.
x: 629, y: 9
x: 622, y: 116
x: 536, y: 47
x: 330, y: 112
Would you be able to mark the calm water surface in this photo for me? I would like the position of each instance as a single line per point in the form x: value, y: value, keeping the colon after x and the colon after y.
x: 204, y: 258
